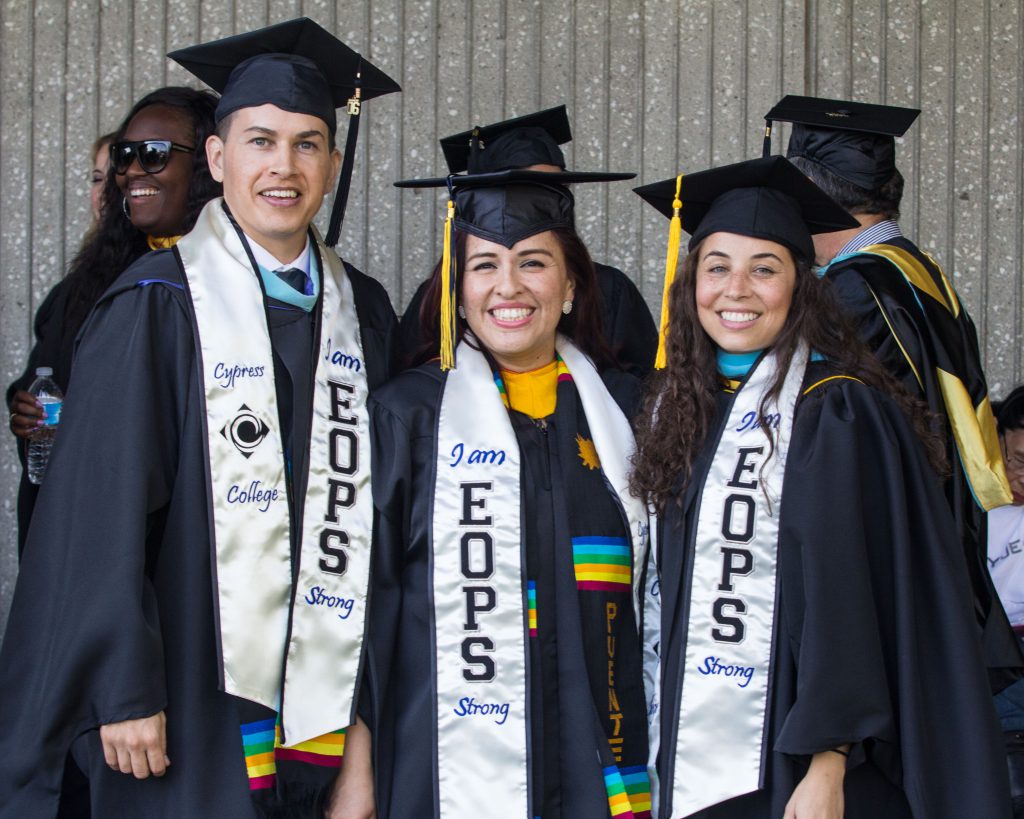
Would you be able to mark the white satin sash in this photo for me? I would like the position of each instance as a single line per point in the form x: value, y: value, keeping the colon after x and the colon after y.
x: 724, y: 703
x: 479, y: 584
x: 301, y: 654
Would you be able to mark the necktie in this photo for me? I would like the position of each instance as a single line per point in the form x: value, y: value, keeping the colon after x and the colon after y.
x: 296, y: 279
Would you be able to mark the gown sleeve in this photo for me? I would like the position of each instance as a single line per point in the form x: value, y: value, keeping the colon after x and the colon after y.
x: 83, y: 646
x: 631, y: 331
x: 390, y: 445
x: 878, y: 612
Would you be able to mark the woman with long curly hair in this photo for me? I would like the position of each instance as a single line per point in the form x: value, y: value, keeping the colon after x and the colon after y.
x: 817, y: 653
x: 157, y: 183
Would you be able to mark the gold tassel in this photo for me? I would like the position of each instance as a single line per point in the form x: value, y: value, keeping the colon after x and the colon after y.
x: 675, y: 230
x: 448, y: 294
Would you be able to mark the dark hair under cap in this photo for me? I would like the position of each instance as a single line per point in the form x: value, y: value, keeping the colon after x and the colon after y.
x: 1010, y: 411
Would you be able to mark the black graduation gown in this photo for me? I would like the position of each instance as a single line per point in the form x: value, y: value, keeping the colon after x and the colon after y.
x: 53, y: 348
x: 874, y: 643
x: 898, y: 328
x: 399, y: 707
x: 629, y: 328
x: 113, y: 612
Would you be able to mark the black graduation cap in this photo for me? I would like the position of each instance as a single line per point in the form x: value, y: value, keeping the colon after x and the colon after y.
x: 532, y: 139
x: 854, y: 140
x: 504, y: 207
x: 768, y: 198
x: 508, y: 206
x: 297, y: 66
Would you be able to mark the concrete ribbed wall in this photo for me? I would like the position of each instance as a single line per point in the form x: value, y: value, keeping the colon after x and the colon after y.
x: 651, y: 85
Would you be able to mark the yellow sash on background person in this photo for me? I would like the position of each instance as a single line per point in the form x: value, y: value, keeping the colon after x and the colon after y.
x: 970, y: 417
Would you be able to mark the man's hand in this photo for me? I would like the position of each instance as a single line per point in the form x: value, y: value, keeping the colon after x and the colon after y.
x: 353, y: 789
x: 137, y: 746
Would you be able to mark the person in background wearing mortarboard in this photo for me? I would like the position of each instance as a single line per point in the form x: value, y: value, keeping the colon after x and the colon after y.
x: 909, y: 314
x: 504, y: 648
x: 800, y: 674
x: 531, y: 142
x: 190, y: 609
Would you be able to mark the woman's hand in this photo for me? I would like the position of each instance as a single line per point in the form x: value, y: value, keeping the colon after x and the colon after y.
x: 353, y: 789
x: 26, y: 414
x: 820, y: 793
x: 137, y: 746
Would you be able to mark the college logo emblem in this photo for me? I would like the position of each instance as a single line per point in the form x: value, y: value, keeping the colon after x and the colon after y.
x: 246, y: 431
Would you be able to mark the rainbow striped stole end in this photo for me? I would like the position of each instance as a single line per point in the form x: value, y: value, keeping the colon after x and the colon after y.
x: 325, y: 750
x: 531, y: 599
x: 261, y: 744
x: 638, y: 787
x: 602, y: 563
x: 258, y: 740
x: 618, y: 798
x: 629, y: 792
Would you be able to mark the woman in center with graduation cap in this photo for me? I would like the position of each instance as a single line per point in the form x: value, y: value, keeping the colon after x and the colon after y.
x: 818, y: 652
x: 504, y: 657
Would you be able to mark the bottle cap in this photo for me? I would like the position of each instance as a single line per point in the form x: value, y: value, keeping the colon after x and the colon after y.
x: 44, y: 372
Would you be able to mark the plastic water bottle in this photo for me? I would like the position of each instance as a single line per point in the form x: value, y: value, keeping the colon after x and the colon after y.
x: 41, y: 442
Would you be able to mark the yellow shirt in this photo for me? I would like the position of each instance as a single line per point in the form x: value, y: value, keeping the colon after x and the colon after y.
x: 533, y: 393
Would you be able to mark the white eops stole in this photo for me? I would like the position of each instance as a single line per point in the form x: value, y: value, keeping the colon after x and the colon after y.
x: 300, y: 655
x: 722, y: 721
x: 478, y: 580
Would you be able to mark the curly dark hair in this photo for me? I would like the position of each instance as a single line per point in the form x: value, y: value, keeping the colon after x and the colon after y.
x: 684, y: 392
x: 883, y: 201
x: 583, y: 325
x: 116, y: 243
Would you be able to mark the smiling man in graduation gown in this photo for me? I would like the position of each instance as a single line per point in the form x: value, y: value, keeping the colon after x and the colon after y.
x: 190, y: 618
x: 531, y: 142
x: 910, y: 316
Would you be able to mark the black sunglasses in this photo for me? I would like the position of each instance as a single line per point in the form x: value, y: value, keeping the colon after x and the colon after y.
x: 153, y: 154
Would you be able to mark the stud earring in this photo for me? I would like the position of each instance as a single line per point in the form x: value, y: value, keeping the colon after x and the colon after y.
x: 567, y: 307
x: 462, y: 312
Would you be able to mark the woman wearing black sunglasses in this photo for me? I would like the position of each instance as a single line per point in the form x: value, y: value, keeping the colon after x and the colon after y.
x: 157, y: 184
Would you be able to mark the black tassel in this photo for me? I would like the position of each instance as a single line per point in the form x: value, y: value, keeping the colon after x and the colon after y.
x: 345, y: 179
